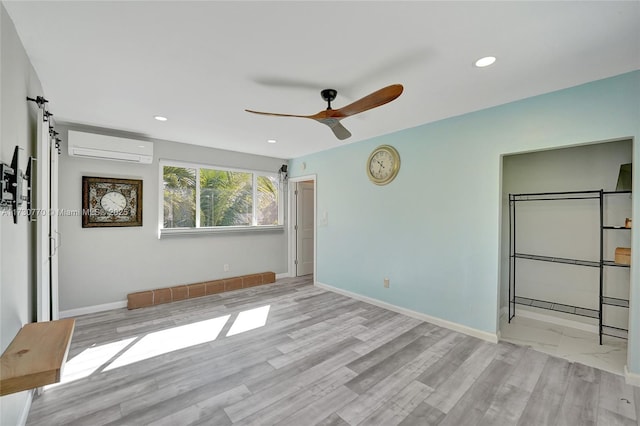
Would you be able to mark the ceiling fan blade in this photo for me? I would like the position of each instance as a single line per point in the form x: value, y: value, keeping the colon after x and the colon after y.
x: 373, y: 100
x: 279, y: 115
x: 338, y: 129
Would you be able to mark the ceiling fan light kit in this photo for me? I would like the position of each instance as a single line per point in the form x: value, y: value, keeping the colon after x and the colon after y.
x: 331, y: 117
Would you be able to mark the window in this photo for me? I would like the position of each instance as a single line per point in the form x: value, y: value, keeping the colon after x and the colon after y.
x: 214, y: 198
x: 179, y: 197
x: 226, y: 198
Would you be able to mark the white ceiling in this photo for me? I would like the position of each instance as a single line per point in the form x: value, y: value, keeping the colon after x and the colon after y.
x: 117, y: 64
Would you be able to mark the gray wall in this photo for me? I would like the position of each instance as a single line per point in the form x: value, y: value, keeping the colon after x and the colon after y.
x: 100, y: 266
x: 17, y: 127
x: 568, y: 228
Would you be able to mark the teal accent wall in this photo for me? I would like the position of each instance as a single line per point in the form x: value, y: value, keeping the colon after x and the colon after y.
x: 435, y: 230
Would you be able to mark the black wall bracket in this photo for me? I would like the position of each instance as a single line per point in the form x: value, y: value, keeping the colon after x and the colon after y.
x: 12, y: 180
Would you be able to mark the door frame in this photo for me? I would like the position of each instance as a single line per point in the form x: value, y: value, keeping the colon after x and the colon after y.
x: 292, y: 220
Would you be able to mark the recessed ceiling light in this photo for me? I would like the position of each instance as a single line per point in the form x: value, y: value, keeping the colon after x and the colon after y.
x: 160, y: 118
x: 485, y: 62
x: 271, y: 141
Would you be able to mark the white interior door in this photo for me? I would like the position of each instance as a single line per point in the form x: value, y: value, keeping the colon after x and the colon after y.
x: 53, y: 225
x: 43, y: 225
x: 304, y: 228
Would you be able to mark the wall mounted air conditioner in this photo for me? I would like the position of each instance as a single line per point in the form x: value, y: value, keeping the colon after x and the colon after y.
x: 101, y: 147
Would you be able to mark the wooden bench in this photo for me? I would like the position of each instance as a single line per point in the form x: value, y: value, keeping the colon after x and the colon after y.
x: 36, y: 356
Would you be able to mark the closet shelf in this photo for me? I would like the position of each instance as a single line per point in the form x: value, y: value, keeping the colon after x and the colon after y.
x: 616, y: 192
x: 579, y: 262
x: 612, y: 263
x: 556, y: 196
x: 620, y: 333
x: 614, y: 301
x: 558, y: 307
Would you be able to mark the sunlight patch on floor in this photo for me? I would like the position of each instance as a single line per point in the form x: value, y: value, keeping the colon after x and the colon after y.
x: 90, y: 360
x: 135, y: 349
x: 249, y: 320
x: 171, y: 339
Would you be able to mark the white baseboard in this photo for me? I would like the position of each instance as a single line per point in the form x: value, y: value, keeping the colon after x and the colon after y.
x: 534, y: 315
x: 22, y: 421
x: 283, y: 275
x: 630, y: 378
x: 480, y: 334
x: 93, y: 309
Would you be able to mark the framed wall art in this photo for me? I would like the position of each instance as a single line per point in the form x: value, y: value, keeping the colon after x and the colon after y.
x: 111, y: 202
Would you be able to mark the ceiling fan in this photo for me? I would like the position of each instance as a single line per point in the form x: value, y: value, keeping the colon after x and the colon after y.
x: 331, y: 117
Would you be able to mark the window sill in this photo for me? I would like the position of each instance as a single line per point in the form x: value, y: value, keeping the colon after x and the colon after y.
x: 182, y: 232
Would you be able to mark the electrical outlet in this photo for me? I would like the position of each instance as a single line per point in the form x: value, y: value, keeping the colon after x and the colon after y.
x: 386, y: 283
x: 226, y: 267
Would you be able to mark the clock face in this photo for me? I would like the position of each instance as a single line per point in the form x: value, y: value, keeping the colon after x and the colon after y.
x: 113, y: 202
x: 383, y: 165
x: 108, y: 202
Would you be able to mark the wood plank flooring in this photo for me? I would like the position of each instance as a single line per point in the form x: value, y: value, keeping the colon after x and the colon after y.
x: 320, y: 359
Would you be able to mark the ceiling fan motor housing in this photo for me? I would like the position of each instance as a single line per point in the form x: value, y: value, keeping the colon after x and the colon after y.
x: 328, y: 95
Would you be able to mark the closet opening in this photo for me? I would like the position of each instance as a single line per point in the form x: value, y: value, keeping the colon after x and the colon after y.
x: 566, y: 227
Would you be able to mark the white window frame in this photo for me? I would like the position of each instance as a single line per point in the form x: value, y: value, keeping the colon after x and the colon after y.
x: 197, y: 230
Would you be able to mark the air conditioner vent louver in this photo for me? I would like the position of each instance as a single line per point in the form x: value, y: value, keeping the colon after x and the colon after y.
x: 101, y: 147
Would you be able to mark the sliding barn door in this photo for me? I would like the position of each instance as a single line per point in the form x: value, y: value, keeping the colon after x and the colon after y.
x: 43, y: 225
x: 54, y: 235
x: 46, y: 217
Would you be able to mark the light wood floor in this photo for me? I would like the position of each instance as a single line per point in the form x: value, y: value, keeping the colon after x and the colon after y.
x: 320, y: 359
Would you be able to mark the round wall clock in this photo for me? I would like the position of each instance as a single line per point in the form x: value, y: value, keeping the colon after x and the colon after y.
x: 110, y: 202
x: 383, y: 164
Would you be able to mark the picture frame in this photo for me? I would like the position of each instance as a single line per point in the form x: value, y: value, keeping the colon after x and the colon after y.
x: 111, y: 202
